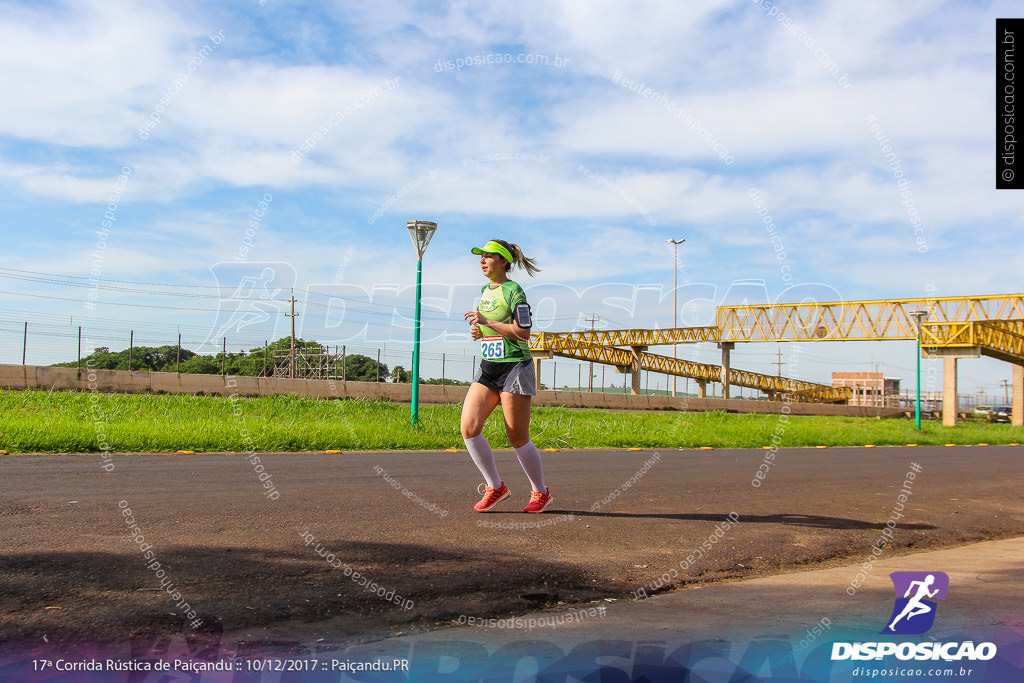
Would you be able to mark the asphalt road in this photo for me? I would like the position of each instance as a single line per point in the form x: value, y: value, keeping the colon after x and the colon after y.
x: 71, y: 574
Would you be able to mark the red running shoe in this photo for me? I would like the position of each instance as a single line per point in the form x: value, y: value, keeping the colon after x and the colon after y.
x: 538, y: 500
x: 491, y: 498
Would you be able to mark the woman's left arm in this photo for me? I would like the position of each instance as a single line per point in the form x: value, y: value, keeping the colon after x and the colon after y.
x: 510, y: 330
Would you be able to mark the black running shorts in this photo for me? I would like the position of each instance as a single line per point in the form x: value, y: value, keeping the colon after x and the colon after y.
x: 514, y: 378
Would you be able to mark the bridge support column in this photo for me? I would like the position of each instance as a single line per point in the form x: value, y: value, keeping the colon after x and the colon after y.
x: 949, y: 407
x: 702, y: 389
x: 634, y: 372
x: 1017, y: 404
x: 726, y: 348
x: 950, y: 356
x: 538, y: 356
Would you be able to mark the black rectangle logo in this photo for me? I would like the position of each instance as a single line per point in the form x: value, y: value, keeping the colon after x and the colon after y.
x: 1009, y: 135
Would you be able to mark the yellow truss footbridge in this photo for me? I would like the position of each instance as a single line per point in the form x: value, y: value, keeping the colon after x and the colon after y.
x: 581, y: 346
x: 953, y: 328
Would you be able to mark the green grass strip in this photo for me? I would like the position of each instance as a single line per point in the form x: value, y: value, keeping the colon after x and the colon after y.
x: 77, y: 422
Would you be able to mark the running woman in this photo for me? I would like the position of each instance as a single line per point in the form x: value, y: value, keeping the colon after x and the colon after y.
x: 502, y: 323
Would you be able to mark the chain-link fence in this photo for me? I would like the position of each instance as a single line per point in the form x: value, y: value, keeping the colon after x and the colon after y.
x: 124, y: 345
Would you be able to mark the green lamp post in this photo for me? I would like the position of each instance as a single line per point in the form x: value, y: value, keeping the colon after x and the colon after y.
x: 919, y: 317
x: 420, y: 232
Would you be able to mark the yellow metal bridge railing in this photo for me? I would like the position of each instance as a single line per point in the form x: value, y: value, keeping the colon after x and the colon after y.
x: 1002, y: 339
x: 858, y: 320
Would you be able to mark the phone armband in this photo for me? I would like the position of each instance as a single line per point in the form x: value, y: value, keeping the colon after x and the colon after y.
x: 522, y: 316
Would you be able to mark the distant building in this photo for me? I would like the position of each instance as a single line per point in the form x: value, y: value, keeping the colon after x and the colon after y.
x: 870, y: 388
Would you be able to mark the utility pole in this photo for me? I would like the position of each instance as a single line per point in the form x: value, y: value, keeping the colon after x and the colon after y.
x: 878, y: 389
x: 590, y: 382
x: 291, y: 352
x: 779, y: 363
x: 1006, y: 388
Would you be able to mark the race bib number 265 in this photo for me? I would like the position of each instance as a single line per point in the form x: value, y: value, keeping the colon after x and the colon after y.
x: 492, y: 348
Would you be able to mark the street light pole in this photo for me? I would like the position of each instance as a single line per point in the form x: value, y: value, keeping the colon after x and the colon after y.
x: 919, y: 317
x: 675, y: 288
x: 420, y: 232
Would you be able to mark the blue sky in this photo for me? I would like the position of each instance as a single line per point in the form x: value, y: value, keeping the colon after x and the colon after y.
x: 587, y: 132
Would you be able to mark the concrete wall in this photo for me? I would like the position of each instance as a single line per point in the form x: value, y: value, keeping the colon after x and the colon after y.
x: 122, y: 381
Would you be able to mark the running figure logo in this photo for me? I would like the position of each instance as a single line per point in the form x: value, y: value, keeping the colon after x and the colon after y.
x: 914, y: 612
x: 253, y: 297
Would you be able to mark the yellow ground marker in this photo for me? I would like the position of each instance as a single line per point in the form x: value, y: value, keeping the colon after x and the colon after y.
x: 451, y: 450
x: 185, y: 452
x: 332, y: 452
x: 912, y: 445
x: 3, y: 452
x: 870, y: 445
x: 550, y: 450
x: 950, y: 444
x: 982, y: 444
x: 821, y: 446
x: 634, y: 449
x: 707, y: 448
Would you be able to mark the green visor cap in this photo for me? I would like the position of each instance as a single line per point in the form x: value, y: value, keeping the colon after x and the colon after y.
x: 493, y: 247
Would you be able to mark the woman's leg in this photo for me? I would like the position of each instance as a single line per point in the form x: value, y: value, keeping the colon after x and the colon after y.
x: 516, y: 409
x: 479, y: 404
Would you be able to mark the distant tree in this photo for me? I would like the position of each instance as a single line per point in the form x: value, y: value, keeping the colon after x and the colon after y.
x: 159, y: 359
x: 257, y: 361
x: 359, y: 368
x: 401, y: 375
x: 143, y: 359
x: 201, y: 365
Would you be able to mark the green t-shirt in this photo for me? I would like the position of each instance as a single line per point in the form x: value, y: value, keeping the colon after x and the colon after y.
x: 497, y: 303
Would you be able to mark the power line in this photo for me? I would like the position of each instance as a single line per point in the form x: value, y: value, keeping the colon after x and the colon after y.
x: 95, y: 284
x: 111, y: 303
x: 126, y: 282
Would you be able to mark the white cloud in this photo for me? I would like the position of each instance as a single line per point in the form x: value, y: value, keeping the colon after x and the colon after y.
x: 81, y: 71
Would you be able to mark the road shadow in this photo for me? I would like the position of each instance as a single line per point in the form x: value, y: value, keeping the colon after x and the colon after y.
x: 99, y: 600
x: 812, y: 521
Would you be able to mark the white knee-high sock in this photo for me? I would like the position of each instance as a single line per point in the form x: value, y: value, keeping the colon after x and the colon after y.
x: 483, y: 456
x: 529, y: 458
